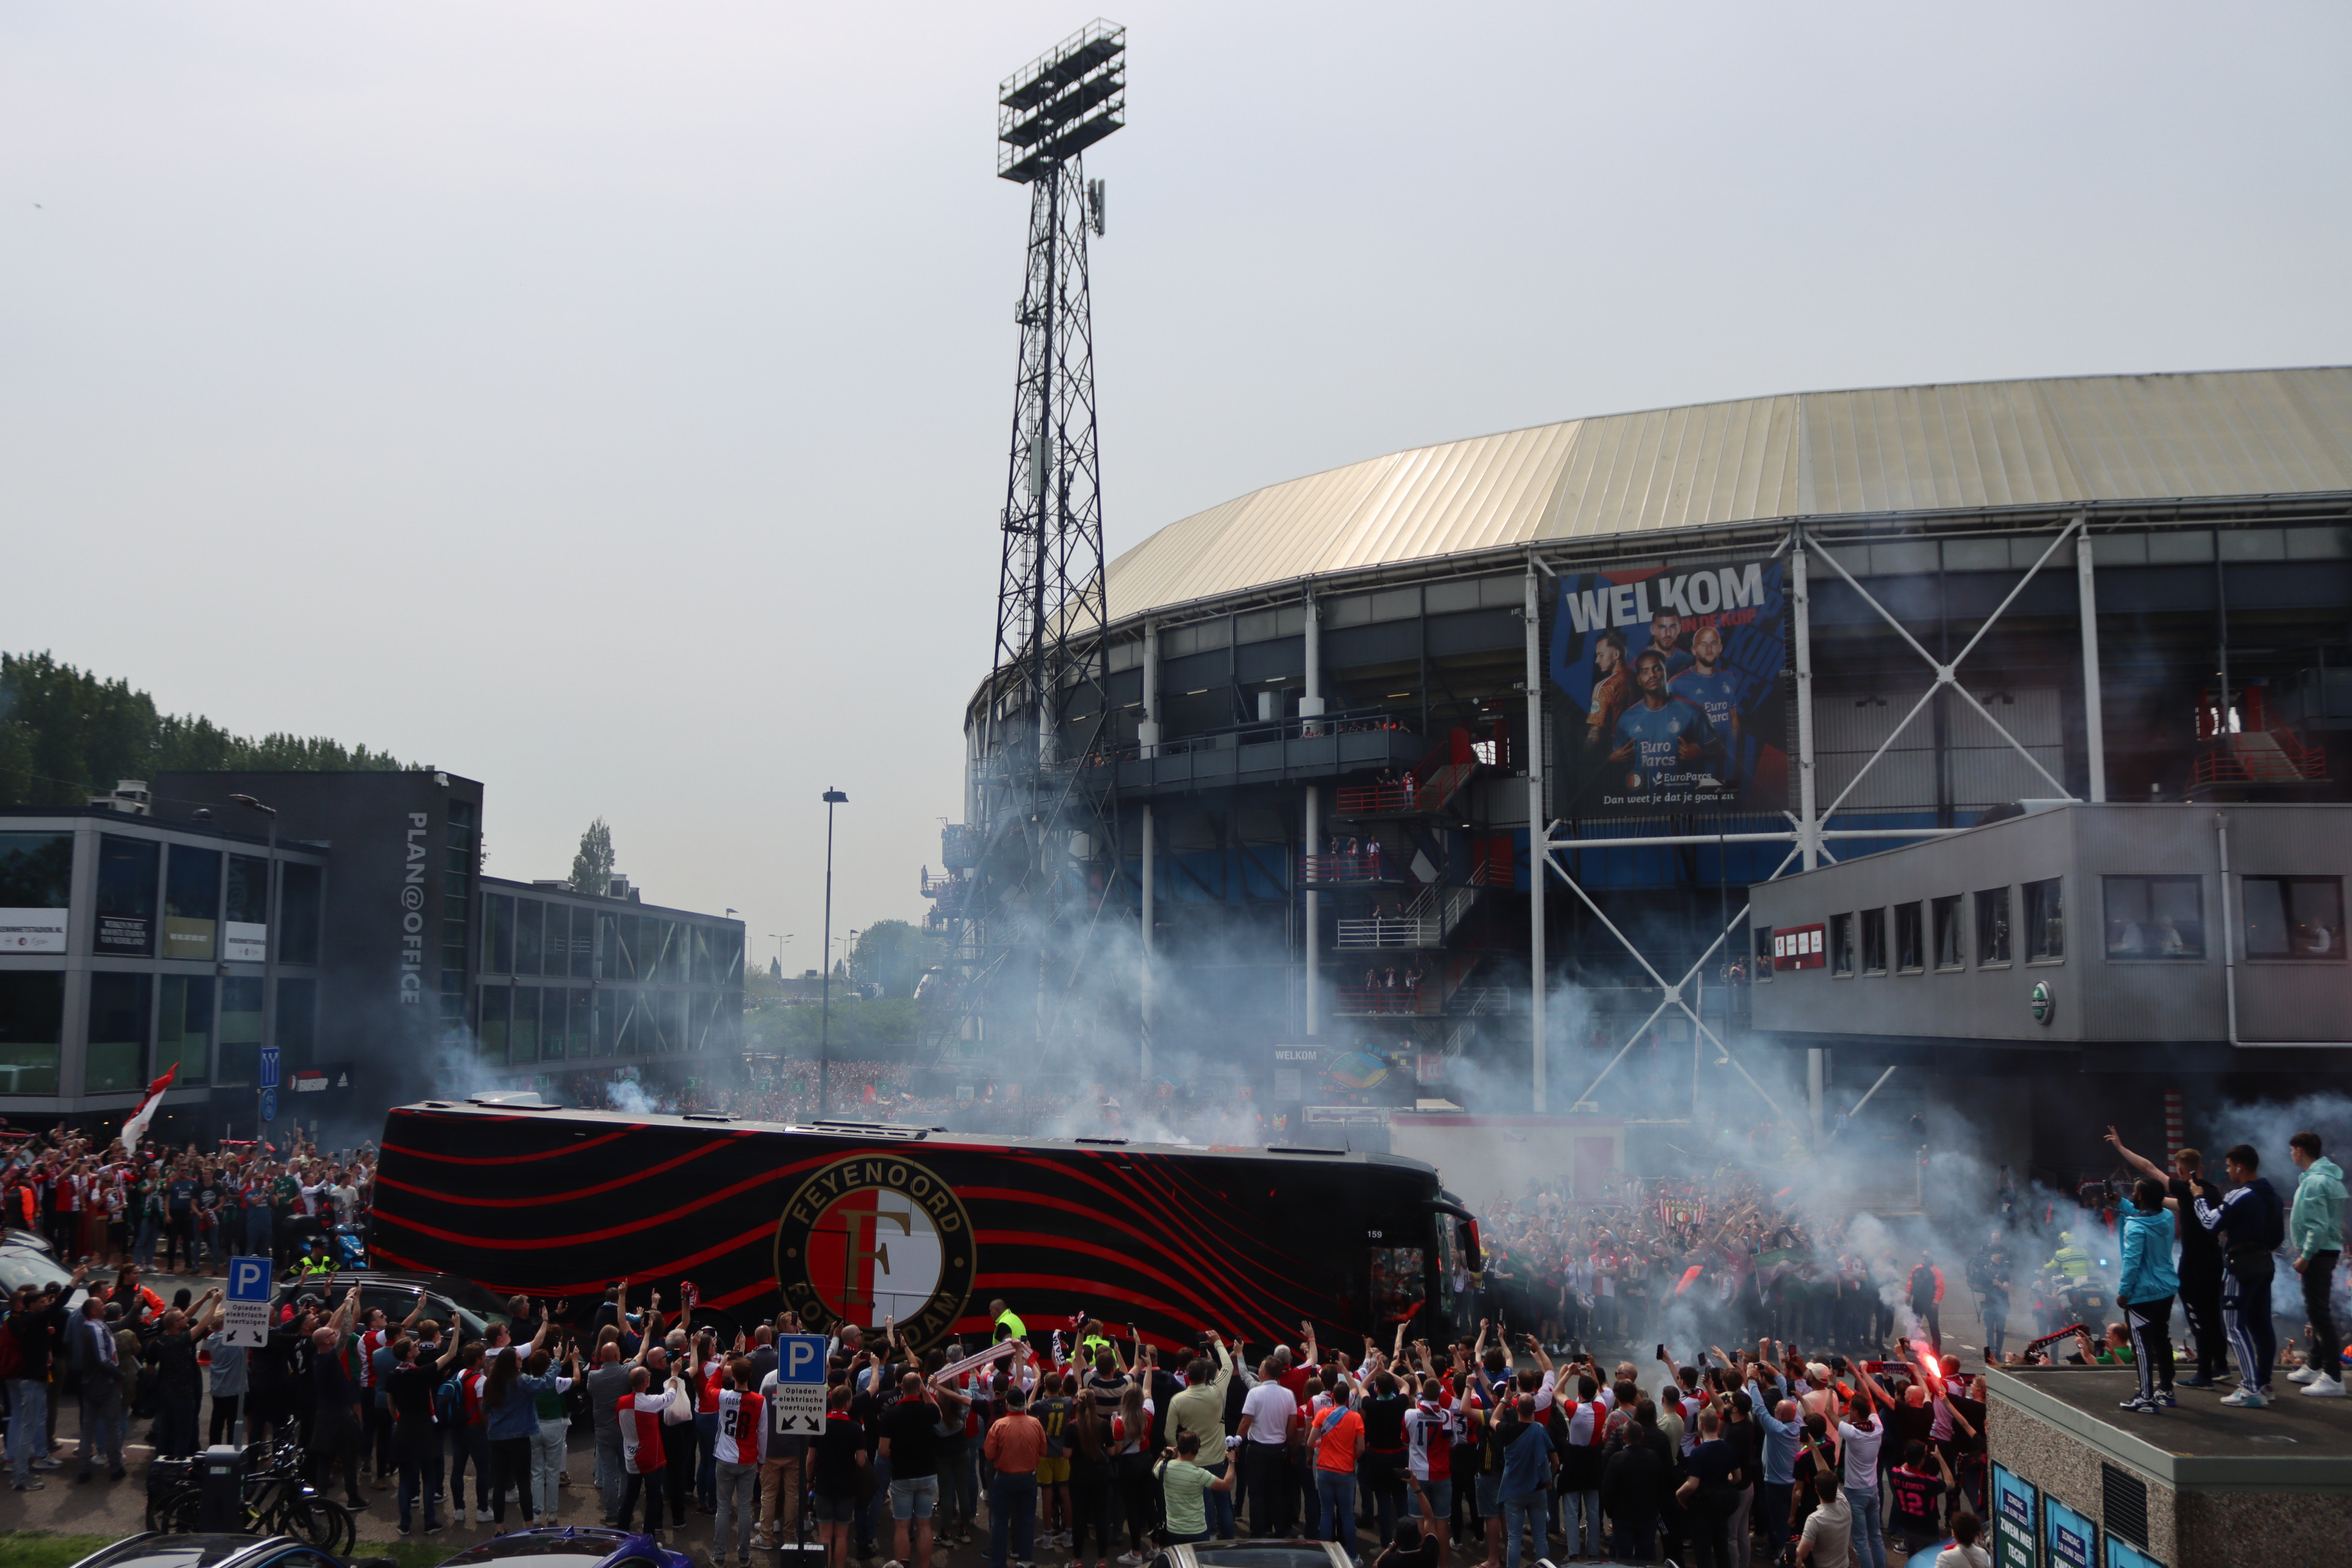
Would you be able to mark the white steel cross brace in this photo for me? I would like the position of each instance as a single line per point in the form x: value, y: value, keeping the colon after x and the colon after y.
x: 1674, y: 993
x: 1945, y: 673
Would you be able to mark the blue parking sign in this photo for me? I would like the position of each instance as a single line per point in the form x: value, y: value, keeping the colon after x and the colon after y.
x: 799, y: 1403
x: 248, y: 1279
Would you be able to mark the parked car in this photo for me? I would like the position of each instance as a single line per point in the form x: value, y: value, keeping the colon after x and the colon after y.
x: 21, y: 1266
x: 571, y: 1546
x: 447, y: 1298
x: 156, y: 1550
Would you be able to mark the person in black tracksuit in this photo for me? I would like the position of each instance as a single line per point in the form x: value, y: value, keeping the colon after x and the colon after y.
x: 2200, y: 1256
x: 2251, y: 1224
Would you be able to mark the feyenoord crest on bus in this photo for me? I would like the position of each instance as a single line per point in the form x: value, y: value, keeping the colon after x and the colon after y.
x: 875, y: 1238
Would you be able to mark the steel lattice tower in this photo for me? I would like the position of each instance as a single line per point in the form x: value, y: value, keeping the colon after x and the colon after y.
x: 1047, y: 831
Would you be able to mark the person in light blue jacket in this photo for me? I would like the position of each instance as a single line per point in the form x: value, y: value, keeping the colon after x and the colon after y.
x: 2149, y: 1285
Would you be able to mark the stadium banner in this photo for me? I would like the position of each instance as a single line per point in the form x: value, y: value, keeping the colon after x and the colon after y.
x: 1667, y: 693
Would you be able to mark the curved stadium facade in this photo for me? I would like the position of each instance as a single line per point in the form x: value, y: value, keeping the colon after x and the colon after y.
x: 1697, y: 648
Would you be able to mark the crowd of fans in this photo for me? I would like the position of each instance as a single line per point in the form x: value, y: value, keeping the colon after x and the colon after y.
x: 1847, y: 1431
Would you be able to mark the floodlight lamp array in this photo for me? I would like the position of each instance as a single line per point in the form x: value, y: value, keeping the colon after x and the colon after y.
x: 1062, y: 103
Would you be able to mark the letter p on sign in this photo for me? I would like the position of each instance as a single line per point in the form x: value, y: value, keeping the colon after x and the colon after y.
x: 248, y: 1279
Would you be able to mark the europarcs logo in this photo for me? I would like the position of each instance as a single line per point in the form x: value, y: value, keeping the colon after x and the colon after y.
x: 871, y: 1237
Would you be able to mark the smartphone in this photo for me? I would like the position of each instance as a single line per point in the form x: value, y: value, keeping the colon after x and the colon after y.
x: 1662, y: 1353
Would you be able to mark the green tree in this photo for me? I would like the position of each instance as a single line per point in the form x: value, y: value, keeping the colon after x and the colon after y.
x: 66, y: 735
x: 894, y: 955
x: 592, y: 869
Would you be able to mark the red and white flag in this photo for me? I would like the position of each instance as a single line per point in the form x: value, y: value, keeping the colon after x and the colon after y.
x: 136, y: 1128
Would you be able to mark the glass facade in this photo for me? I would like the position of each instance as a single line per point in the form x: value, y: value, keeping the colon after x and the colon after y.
x: 184, y: 1027
x: 128, y: 870
x: 192, y: 895
x: 116, y: 1057
x: 643, y: 984
x: 165, y: 965
x: 32, y: 1029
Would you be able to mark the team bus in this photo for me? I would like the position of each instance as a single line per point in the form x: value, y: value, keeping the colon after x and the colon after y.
x: 862, y: 1222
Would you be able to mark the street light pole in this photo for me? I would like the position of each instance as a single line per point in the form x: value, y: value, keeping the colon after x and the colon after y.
x: 832, y: 798
x: 270, y: 934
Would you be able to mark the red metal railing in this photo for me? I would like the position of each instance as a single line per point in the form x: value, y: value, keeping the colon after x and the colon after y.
x: 1380, y: 799
x: 2272, y: 756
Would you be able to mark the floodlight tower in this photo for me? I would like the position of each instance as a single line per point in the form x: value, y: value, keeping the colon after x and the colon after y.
x: 1043, y: 821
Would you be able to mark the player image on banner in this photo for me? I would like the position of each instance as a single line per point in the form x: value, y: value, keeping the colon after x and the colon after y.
x: 1675, y: 673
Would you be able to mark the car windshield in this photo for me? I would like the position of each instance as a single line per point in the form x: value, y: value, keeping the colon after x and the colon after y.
x: 187, y: 1551
x: 585, y: 1549
x: 20, y: 1266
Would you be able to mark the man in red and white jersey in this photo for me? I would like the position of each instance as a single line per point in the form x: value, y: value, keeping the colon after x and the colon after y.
x: 1583, y: 1437
x: 1430, y: 1428
x: 739, y: 1446
x: 643, y: 1459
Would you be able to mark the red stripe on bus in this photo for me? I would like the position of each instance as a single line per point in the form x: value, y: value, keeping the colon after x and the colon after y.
x: 620, y: 1181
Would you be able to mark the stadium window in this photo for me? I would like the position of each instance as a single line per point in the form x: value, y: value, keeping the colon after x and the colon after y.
x: 32, y: 1029
x: 1842, y: 945
x: 1763, y: 964
x: 298, y: 898
x: 2154, y: 917
x: 118, y: 1022
x: 35, y: 870
x: 248, y: 890
x: 523, y: 1042
x: 497, y: 1002
x: 1992, y: 926
x: 1950, y: 942
x: 184, y: 1031
x: 2046, y: 921
x: 297, y: 1023
x: 2292, y: 917
x: 1873, y: 941
x: 498, y: 934
x: 1910, y: 951
x: 192, y: 879
x: 240, y: 1029
x: 126, y: 874
x: 526, y: 930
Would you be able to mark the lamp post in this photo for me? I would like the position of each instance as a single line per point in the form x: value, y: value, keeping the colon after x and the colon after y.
x: 832, y: 798
x: 270, y: 934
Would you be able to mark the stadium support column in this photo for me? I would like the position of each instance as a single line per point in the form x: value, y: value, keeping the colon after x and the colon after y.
x: 1147, y: 736
x: 1809, y: 833
x: 1310, y: 706
x: 1538, y: 837
x: 1147, y: 730
x: 1147, y: 999
x: 2094, y: 728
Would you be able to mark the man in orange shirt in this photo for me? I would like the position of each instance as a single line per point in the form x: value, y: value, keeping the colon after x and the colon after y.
x: 1016, y: 1443
x: 1337, y: 1438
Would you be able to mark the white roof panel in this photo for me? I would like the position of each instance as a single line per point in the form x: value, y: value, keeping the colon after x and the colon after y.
x: 1888, y: 449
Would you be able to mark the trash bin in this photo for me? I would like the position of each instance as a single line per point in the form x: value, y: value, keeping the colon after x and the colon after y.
x: 220, y: 1482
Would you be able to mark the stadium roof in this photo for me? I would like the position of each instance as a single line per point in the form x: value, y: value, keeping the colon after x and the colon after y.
x: 1908, y: 449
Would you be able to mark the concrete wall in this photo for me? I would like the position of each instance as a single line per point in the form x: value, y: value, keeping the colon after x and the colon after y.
x: 2098, y: 999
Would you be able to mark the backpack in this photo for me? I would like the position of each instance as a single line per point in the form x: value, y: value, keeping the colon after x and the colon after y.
x: 449, y: 1403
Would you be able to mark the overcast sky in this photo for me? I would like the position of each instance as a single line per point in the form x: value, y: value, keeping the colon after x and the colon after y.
x: 610, y: 402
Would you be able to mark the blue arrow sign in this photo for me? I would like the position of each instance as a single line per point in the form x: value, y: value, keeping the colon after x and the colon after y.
x: 268, y: 1068
x: 270, y: 1105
